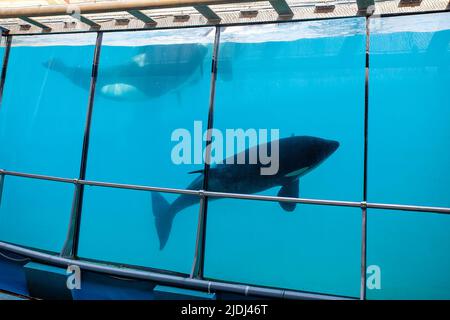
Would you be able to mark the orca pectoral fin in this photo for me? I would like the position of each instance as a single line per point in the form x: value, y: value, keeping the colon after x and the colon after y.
x: 290, y: 190
x: 196, y: 171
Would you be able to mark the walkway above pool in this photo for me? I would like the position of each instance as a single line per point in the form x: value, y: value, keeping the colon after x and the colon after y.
x: 21, y: 18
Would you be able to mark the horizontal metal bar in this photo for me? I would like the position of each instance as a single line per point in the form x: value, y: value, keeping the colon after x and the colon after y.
x: 402, y: 207
x: 35, y: 176
x: 364, y: 4
x: 87, y: 21
x: 214, y: 194
x: 35, y: 23
x: 282, y: 8
x: 174, y: 280
x: 107, y: 6
x: 139, y: 187
x: 142, y: 16
x: 207, y: 12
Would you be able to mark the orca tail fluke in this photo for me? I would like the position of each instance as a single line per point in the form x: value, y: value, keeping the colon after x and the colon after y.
x: 163, y: 218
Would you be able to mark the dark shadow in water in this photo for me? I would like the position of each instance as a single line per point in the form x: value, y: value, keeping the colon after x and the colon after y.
x: 152, y: 72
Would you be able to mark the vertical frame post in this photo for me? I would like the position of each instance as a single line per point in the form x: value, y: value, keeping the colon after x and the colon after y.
x: 2, y: 85
x: 5, y: 66
x: 70, y: 248
x: 198, y: 265
x: 366, y: 142
x: 2, y: 181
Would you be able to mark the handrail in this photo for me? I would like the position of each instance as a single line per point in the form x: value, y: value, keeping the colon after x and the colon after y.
x: 216, y: 194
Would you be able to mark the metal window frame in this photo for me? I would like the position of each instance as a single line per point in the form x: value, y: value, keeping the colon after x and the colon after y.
x: 70, y: 247
x: 199, y: 257
x: 363, y: 288
x: 5, y: 65
x: 196, y: 279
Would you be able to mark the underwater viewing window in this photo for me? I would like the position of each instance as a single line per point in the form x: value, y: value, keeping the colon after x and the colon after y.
x: 42, y: 115
x: 410, y: 110
x: 412, y: 251
x: 314, y: 249
x: 303, y: 79
x: 149, y: 85
x: 42, y: 119
x: 101, y: 113
x: 31, y: 208
x: 409, y: 154
x: 118, y: 226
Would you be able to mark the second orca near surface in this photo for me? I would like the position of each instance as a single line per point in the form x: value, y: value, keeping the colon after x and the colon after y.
x: 298, y: 155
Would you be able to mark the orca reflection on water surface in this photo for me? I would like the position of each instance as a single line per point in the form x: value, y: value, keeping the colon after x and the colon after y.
x: 298, y: 155
x: 152, y: 72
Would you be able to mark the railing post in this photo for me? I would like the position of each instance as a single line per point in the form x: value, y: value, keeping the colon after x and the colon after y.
x: 70, y: 247
x: 197, y: 268
x: 2, y: 180
x: 366, y: 142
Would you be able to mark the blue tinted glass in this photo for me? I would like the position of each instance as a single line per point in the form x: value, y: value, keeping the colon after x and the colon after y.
x: 305, y: 79
x: 411, y: 250
x: 409, y: 133
x: 315, y: 248
x: 35, y: 213
x: 43, y: 111
x: 409, y: 130
x: 149, y: 84
x: 118, y: 226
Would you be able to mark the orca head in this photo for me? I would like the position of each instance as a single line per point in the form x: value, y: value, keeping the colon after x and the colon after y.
x: 300, y: 154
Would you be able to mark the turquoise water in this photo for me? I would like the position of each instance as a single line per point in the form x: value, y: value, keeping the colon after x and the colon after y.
x: 301, y: 78
x: 409, y: 155
x: 41, y: 131
x: 131, y: 143
x: 314, y: 248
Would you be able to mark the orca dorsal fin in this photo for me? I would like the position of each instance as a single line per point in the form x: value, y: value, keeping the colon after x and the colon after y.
x: 196, y: 171
x: 291, y: 190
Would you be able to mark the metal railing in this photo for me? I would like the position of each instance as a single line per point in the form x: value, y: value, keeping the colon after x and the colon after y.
x: 216, y: 194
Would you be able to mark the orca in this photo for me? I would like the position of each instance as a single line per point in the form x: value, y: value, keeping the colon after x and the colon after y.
x: 298, y: 155
x: 152, y: 72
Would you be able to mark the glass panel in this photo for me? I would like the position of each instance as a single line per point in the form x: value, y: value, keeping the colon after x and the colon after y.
x: 409, y: 152
x: 43, y: 110
x: 411, y: 250
x: 35, y: 213
x: 150, y: 84
x: 289, y: 77
x: 118, y: 226
x: 303, y: 79
x: 315, y: 248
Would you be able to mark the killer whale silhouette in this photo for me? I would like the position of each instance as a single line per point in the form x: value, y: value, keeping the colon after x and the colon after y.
x: 154, y: 71
x: 298, y: 155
